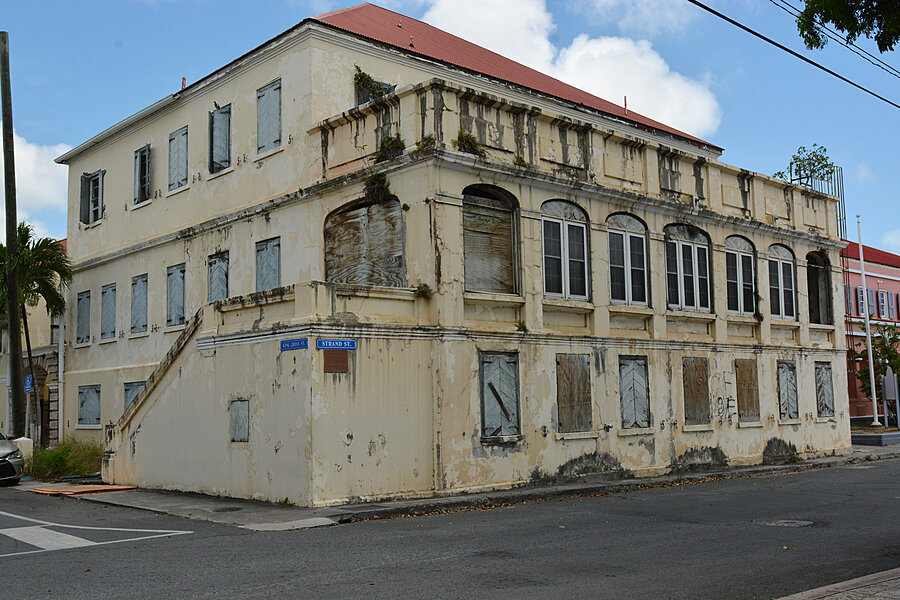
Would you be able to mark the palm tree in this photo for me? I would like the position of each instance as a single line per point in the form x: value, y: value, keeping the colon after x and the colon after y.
x: 44, y: 269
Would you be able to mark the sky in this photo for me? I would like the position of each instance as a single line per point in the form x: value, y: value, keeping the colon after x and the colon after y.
x: 80, y: 67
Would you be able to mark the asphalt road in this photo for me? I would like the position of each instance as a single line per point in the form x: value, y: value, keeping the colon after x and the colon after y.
x: 760, y: 537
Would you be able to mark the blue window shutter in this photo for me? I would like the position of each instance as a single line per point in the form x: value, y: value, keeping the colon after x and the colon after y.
x: 217, y: 266
x: 220, y: 139
x: 268, y: 264
x: 175, y: 295
x: 178, y: 158
x: 85, y: 212
x: 634, y: 392
x: 268, y: 117
x: 132, y: 389
x: 139, y: 303
x: 787, y: 390
x: 89, y: 405
x: 83, y: 316
x: 871, y: 299
x: 108, y: 311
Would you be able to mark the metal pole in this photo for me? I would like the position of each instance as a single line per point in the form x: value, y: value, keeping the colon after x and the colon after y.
x: 15, y: 380
x: 862, y: 270
x: 897, y: 401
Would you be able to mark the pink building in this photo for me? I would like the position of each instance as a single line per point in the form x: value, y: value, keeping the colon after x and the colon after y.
x: 883, y: 283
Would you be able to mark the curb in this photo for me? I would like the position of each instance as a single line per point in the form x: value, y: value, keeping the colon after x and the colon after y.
x: 859, y: 583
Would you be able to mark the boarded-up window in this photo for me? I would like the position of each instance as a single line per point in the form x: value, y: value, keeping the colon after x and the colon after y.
x: 489, y: 241
x: 132, y: 389
x: 175, y: 295
x: 220, y: 139
x: 108, y: 311
x: 499, y: 394
x: 239, y: 411
x: 268, y: 117
x: 139, y: 303
x: 787, y: 390
x: 634, y: 391
x: 573, y: 392
x: 178, y: 158
x: 824, y: 390
x: 91, y: 197
x: 696, y: 390
x: 217, y: 271
x: 747, y: 389
x: 268, y: 264
x: 83, y: 318
x: 364, y: 245
x: 142, y: 174
x: 818, y: 278
x: 89, y: 405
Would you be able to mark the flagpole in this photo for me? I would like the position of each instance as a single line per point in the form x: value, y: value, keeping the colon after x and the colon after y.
x: 862, y: 270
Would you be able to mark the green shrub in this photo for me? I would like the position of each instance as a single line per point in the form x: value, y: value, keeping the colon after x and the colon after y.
x: 72, y: 457
x: 390, y: 147
x: 466, y: 142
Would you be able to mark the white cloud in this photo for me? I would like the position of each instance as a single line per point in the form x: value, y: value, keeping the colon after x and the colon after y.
x: 645, y: 17
x: 890, y: 241
x: 40, y: 186
x: 864, y: 173
x: 608, y: 67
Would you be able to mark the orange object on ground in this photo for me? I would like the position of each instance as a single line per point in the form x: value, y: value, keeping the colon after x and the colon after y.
x: 71, y: 490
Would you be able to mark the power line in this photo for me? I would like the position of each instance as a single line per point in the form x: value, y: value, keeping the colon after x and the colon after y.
x: 833, y: 35
x: 791, y: 52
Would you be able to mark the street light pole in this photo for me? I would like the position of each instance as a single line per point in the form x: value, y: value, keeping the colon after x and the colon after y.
x: 862, y: 270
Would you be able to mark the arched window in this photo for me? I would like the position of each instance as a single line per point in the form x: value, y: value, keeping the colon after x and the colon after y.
x: 782, y: 291
x: 489, y: 240
x: 364, y: 244
x: 740, y: 275
x: 566, y: 266
x: 627, y: 259
x: 818, y: 278
x: 687, y: 268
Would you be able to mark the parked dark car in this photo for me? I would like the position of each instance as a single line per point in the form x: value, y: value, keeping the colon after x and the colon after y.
x: 12, y: 463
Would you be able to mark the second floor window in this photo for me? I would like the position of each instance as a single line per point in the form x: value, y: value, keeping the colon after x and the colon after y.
x: 220, y: 139
x: 740, y: 275
x: 142, y: 174
x: 627, y: 260
x: 268, y: 264
x: 178, y: 158
x: 139, y: 303
x: 364, y: 244
x: 687, y: 269
x: 217, y: 271
x: 268, y: 117
x: 782, y: 292
x: 83, y: 318
x: 566, y: 264
x: 490, y: 240
x: 91, y: 197
x: 175, y: 295
x: 108, y: 311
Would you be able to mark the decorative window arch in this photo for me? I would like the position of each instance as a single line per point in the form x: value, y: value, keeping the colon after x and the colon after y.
x: 818, y: 279
x: 688, y: 285
x: 740, y: 275
x: 782, y: 287
x: 490, y: 239
x: 565, y: 229
x: 364, y: 244
x: 627, y: 259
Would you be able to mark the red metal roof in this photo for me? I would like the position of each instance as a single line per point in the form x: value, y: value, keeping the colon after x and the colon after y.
x: 872, y: 255
x: 415, y: 37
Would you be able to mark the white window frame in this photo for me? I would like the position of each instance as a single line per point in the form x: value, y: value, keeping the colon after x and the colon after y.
x: 739, y: 257
x: 679, y: 265
x: 564, y: 228
x: 781, y: 262
x: 882, y: 304
x: 626, y: 240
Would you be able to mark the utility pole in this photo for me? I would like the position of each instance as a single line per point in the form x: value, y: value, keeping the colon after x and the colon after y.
x: 15, y: 381
x: 862, y: 270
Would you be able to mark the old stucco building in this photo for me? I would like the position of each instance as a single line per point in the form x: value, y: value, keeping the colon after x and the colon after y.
x: 530, y: 281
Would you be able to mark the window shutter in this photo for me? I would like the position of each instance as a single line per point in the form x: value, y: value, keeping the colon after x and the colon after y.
x: 178, y: 158
x: 83, y: 327
x: 175, y: 295
x: 220, y: 139
x: 634, y: 392
x: 695, y: 379
x: 488, y: 246
x: 146, y: 182
x: 824, y: 390
x: 89, y: 405
x: 85, y: 213
x: 138, y: 176
x: 747, y: 389
x: 132, y: 389
x: 500, y: 395
x: 108, y: 311
x: 268, y: 264
x: 787, y: 390
x: 573, y: 392
x: 892, y: 306
x: 871, y: 298
x: 218, y: 277
x: 365, y: 246
x: 139, y: 303
x: 848, y: 299
x: 268, y: 117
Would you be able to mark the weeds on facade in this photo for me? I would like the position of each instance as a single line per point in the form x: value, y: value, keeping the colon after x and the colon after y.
x: 366, y: 87
x: 390, y: 147
x: 521, y: 163
x: 285, y: 503
x: 425, y: 142
x: 422, y: 291
x: 521, y: 326
x: 73, y: 457
x: 466, y: 142
x: 376, y: 188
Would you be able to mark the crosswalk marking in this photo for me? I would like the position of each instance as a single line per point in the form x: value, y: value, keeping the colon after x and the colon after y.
x: 45, y: 539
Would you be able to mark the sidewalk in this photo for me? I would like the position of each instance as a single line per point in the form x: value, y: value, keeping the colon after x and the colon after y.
x: 878, y: 586
x: 266, y: 516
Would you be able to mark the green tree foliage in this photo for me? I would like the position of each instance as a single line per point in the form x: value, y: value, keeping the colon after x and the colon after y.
x: 809, y: 163
x: 885, y: 353
x: 878, y: 20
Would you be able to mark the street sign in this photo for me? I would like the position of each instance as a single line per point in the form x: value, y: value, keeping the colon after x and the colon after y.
x: 28, y: 383
x: 335, y: 344
x: 298, y: 344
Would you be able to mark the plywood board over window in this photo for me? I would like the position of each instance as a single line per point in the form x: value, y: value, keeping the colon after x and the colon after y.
x: 695, y: 373
x: 364, y: 245
x: 573, y: 392
x: 488, y: 242
x: 747, y: 389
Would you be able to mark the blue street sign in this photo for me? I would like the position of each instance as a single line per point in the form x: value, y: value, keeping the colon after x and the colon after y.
x: 335, y: 344
x: 301, y: 344
x: 28, y: 383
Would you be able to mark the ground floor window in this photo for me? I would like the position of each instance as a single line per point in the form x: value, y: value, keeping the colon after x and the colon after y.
x: 824, y: 390
x: 89, y: 405
x: 634, y: 391
x: 573, y: 392
x: 239, y: 411
x: 746, y: 382
x: 787, y: 390
x: 499, y: 394
x: 695, y: 377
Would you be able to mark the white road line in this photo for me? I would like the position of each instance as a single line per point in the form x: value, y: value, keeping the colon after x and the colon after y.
x: 45, y: 539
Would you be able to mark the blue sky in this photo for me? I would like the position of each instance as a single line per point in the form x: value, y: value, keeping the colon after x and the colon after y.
x: 79, y: 67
